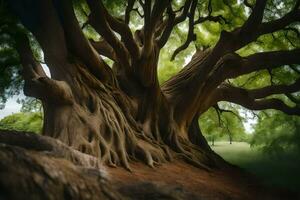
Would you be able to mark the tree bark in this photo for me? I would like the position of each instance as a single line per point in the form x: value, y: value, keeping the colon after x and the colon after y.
x: 122, y: 114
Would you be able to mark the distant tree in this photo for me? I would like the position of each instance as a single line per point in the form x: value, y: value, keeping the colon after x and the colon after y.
x: 219, y: 124
x: 277, y: 133
x: 28, y: 122
x: 30, y: 105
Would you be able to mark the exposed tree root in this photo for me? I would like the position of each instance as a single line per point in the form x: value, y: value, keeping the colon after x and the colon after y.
x: 153, y: 154
x: 48, y: 145
x: 190, y: 153
x: 39, y: 175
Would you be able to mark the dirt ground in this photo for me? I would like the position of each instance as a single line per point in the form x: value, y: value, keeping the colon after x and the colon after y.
x: 184, y: 181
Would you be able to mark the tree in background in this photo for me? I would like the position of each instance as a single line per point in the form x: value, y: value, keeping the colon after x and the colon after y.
x: 277, y: 134
x: 29, y: 122
x: 104, y: 98
x: 220, y: 123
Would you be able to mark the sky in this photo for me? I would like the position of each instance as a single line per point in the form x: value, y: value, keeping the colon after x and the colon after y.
x: 11, y: 107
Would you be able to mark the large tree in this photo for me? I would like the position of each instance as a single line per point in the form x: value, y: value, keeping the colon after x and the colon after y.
x: 104, y: 98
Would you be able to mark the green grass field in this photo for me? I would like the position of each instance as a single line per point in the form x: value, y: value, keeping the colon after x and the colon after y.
x: 273, y: 171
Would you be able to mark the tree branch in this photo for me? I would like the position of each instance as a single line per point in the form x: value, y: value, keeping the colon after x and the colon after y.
x: 129, y: 8
x: 123, y: 29
x: 244, y: 98
x: 255, y: 18
x: 278, y: 24
x: 77, y: 43
x: 37, y: 84
x: 98, y: 20
x: 172, y: 21
x: 31, y: 68
x: 220, y: 111
x: 191, y: 35
x: 167, y: 29
x: 152, y: 17
x: 274, y: 89
x: 103, y: 48
x: 253, y: 28
x: 259, y: 61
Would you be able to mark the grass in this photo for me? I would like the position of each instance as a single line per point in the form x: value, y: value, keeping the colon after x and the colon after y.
x: 273, y: 171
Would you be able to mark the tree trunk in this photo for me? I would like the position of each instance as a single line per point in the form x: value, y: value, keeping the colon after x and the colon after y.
x: 99, y: 121
x: 119, y: 114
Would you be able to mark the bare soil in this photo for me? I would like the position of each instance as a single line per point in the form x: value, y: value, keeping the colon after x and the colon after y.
x: 184, y: 181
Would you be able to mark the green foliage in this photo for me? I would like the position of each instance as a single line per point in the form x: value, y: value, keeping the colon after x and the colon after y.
x: 223, y: 126
x: 167, y: 71
x: 30, y: 105
x: 278, y: 172
x: 29, y: 122
x: 210, y: 126
x: 11, y: 81
x: 277, y: 134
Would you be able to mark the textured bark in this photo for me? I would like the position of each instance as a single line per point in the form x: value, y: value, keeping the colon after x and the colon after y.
x: 39, y: 167
x: 40, y: 176
x: 122, y: 114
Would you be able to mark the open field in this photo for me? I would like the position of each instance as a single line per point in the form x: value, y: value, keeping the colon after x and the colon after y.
x: 274, y: 171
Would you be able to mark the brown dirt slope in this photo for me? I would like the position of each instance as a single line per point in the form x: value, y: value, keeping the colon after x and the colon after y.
x: 40, y: 168
x: 183, y: 181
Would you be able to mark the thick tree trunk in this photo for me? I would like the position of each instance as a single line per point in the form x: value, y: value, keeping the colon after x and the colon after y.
x: 116, y: 115
x: 98, y: 122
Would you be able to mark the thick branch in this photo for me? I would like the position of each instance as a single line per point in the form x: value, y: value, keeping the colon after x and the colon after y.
x: 255, y: 18
x: 247, y: 99
x: 37, y: 84
x: 152, y: 17
x: 191, y: 35
x: 275, y: 89
x: 43, y: 30
x: 232, y: 66
x: 78, y: 44
x: 278, y: 24
x: 157, y: 12
x: 172, y: 21
x: 129, y: 8
x: 125, y: 32
x: 98, y: 20
x: 31, y: 68
x: 169, y: 25
x: 253, y: 28
x: 259, y: 61
x: 103, y: 48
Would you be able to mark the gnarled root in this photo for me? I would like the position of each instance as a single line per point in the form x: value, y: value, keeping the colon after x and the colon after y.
x: 48, y: 145
x: 189, y: 152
